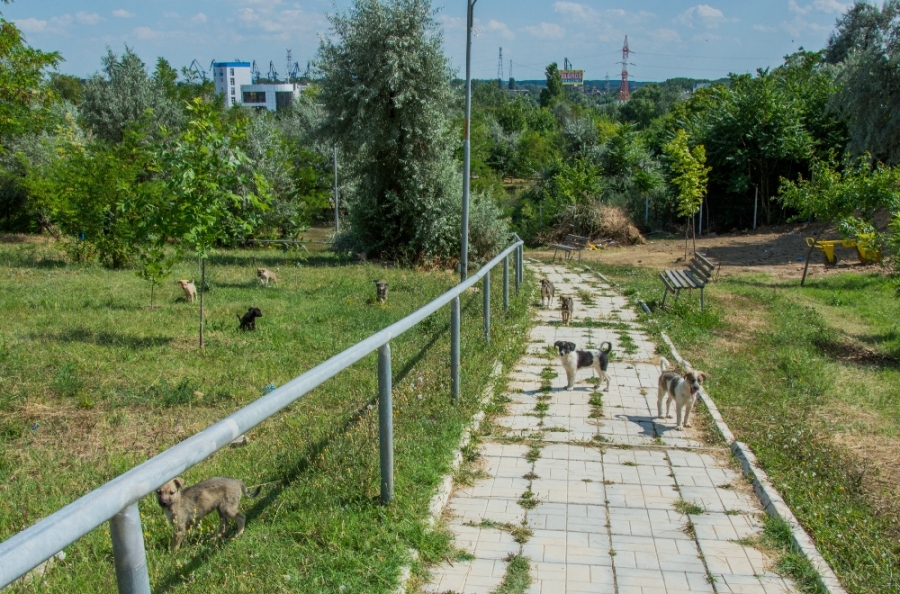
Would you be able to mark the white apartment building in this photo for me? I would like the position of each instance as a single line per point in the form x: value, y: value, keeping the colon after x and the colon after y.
x: 229, y: 77
x: 271, y: 96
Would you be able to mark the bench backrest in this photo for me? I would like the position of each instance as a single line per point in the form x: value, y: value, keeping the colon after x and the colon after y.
x: 702, y: 267
x: 577, y: 241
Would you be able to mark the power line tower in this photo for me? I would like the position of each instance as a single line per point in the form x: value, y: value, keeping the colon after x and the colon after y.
x: 624, y: 93
x: 512, y: 79
x: 607, y: 83
x: 500, y: 70
x: 290, y: 65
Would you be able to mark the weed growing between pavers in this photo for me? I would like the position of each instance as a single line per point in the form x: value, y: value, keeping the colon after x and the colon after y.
x: 534, y: 452
x: 776, y: 541
x: 687, y: 508
x: 518, y: 576
x: 527, y: 500
x: 317, y: 519
x: 756, y: 327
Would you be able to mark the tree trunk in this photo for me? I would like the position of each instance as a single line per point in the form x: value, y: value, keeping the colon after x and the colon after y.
x: 151, y: 295
x: 686, y: 225
x: 693, y: 234
x: 202, y: 284
x: 811, y: 248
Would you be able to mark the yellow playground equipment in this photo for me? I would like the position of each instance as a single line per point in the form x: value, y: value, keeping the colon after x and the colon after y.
x: 867, y: 249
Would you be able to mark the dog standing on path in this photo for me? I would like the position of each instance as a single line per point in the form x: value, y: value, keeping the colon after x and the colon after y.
x: 185, y: 507
x: 572, y: 360
x: 547, y: 292
x: 567, y: 309
x: 683, y: 388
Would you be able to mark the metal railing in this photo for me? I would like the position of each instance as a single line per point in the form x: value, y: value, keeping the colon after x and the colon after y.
x: 117, y: 500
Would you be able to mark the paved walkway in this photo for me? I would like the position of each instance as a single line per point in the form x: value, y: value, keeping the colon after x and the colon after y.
x: 610, y: 482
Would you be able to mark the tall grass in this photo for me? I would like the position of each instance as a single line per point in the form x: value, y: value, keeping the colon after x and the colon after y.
x: 92, y: 383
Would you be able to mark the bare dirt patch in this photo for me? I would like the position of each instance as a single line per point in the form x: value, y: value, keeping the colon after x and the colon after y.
x: 777, y: 251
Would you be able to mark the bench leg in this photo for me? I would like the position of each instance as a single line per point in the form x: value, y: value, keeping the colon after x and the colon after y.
x: 665, y: 294
x: 677, y: 294
x: 554, y: 256
x: 701, y: 299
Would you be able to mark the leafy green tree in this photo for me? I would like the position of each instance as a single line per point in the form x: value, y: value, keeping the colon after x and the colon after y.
x: 386, y: 94
x: 67, y: 87
x: 203, y: 168
x: 79, y: 192
x: 863, y: 27
x: 554, y: 88
x: 22, y: 71
x: 849, y: 192
x: 127, y: 96
x: 691, y: 176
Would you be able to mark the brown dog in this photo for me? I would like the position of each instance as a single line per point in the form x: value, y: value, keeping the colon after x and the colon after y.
x: 190, y: 291
x: 566, y: 309
x: 185, y: 507
x: 266, y: 276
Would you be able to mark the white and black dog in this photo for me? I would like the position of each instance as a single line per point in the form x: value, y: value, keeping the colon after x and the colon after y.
x: 572, y: 360
x: 682, y: 388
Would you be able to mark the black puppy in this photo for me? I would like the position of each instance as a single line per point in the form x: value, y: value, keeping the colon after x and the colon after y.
x: 573, y: 360
x: 248, y: 322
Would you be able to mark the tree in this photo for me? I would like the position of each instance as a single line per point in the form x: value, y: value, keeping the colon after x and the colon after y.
x: 386, y: 94
x: 861, y: 28
x: 21, y: 74
x: 203, y: 168
x: 126, y: 96
x: 554, y: 88
x: 690, y: 177
x: 849, y: 193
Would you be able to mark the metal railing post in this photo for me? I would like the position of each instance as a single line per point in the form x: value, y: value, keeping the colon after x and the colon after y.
x: 385, y: 423
x: 486, y: 289
x: 454, y: 348
x: 518, y: 264
x: 506, y: 286
x: 128, y: 550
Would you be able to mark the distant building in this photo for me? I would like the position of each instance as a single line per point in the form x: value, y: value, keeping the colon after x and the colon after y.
x: 229, y: 77
x: 271, y: 96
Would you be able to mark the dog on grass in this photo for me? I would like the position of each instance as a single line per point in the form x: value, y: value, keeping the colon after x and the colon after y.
x: 572, y: 360
x: 547, y: 292
x: 190, y: 291
x: 184, y: 507
x: 265, y: 276
x: 381, y: 290
x: 682, y: 388
x: 567, y: 309
x: 248, y: 322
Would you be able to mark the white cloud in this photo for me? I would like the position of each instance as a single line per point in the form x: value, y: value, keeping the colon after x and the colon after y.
x: 702, y: 15
x: 575, y: 10
x: 198, y: 18
x: 30, y: 25
x: 147, y: 33
x: 826, y: 6
x: 283, y: 24
x: 666, y: 36
x: 122, y: 13
x: 499, y: 28
x: 86, y: 18
x: 547, y: 31
x: 764, y: 28
x: 452, y: 22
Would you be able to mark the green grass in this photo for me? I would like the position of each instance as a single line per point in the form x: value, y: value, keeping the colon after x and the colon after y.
x: 805, y: 376
x: 92, y: 383
x: 687, y: 508
x: 517, y: 578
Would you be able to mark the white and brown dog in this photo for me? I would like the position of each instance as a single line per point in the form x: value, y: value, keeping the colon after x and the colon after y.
x: 683, y: 388
x: 572, y: 360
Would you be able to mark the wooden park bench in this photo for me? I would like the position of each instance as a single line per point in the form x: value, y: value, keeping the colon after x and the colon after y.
x: 697, y: 276
x: 571, y: 244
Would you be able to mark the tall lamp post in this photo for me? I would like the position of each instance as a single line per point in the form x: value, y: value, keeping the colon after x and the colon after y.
x: 464, y: 256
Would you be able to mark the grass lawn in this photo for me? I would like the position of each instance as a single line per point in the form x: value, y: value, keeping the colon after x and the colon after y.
x: 93, y: 382
x: 810, y: 379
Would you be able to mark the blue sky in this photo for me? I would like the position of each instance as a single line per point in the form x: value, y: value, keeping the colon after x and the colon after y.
x: 668, y: 38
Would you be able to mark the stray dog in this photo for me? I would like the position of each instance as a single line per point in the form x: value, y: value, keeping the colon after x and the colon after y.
x: 190, y: 291
x: 547, y: 292
x: 185, y: 507
x: 572, y: 360
x: 248, y: 322
x: 381, y: 287
x: 265, y: 276
x: 567, y: 309
x: 682, y: 388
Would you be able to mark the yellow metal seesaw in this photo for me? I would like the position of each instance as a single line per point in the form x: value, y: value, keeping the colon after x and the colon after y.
x: 867, y: 251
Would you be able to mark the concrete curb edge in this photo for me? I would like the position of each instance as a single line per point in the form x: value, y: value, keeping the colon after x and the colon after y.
x: 768, y: 495
x: 445, y: 488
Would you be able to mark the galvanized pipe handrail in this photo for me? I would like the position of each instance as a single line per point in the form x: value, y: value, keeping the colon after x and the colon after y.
x: 27, y: 549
